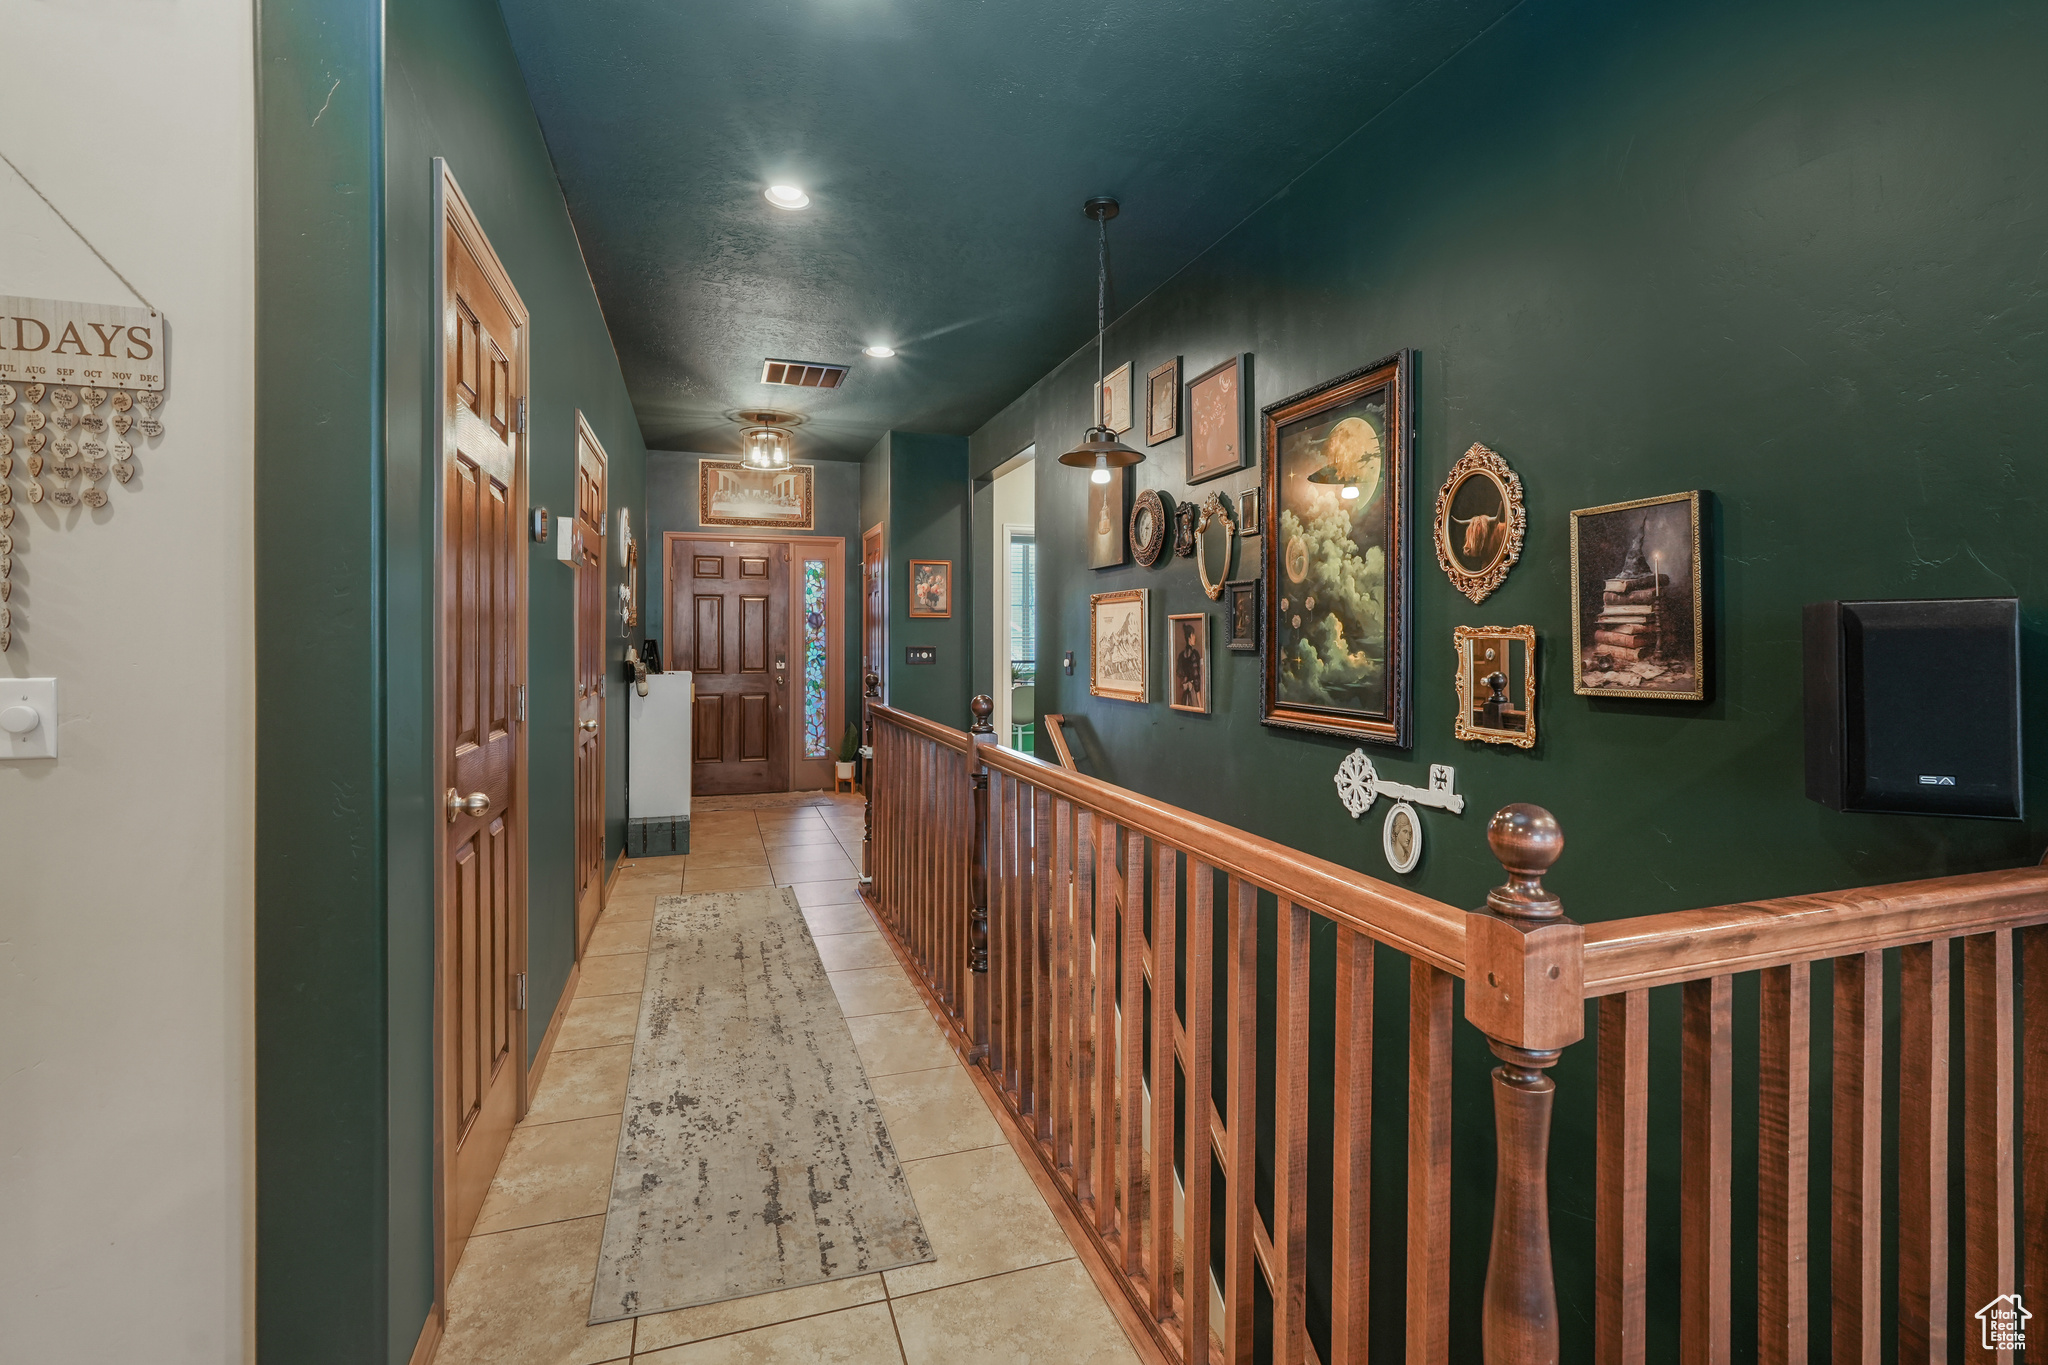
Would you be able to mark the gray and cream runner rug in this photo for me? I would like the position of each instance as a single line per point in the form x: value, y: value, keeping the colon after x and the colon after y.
x: 752, y: 1156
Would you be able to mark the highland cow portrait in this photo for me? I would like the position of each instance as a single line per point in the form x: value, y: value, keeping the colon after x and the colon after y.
x: 1337, y: 559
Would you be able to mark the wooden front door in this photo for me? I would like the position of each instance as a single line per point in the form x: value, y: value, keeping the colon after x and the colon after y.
x: 729, y: 602
x: 481, y: 941
x: 591, y: 616
x: 874, y: 609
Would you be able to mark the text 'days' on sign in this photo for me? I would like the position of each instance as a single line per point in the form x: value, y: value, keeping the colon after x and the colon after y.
x: 52, y: 341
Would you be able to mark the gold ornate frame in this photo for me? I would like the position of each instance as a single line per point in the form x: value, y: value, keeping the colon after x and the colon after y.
x: 708, y: 467
x: 1480, y: 462
x: 1463, y: 638
x: 1095, y: 602
x: 1214, y: 510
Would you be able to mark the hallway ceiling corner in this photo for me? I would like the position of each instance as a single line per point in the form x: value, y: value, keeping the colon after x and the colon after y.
x: 946, y: 148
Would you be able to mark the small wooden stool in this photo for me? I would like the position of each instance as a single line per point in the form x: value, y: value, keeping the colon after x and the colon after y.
x: 845, y: 784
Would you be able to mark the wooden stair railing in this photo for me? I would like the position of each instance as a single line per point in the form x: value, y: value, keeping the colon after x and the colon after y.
x: 1071, y: 935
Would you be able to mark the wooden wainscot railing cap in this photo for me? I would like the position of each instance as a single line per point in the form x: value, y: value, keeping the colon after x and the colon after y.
x: 982, y: 707
x: 872, y: 685
x: 1524, y: 961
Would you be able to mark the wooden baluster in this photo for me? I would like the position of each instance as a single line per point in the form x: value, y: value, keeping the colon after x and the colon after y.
x: 1923, y: 1149
x: 1621, y: 1248
x: 1165, y: 1016
x: 1525, y: 969
x: 1005, y: 929
x: 1198, y: 1142
x: 1351, y: 1165
x: 1990, y: 1265
x: 1046, y: 1082
x: 1108, y: 1047
x: 1784, y: 1059
x: 870, y: 697
x: 1132, y: 1067
x: 1858, y: 1140
x: 1429, y: 1164
x: 1241, y: 1072
x: 1087, y: 1044
x: 1061, y: 1090
x: 1706, y: 1171
x: 1290, y: 1137
x: 2032, y: 950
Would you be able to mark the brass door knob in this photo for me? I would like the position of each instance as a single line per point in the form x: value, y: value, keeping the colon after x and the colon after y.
x: 476, y: 803
x: 590, y: 725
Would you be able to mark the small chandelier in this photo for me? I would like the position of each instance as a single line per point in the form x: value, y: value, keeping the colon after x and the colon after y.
x: 1100, y: 451
x: 765, y: 448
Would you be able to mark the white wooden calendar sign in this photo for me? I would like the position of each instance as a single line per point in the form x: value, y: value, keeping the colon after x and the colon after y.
x: 53, y: 341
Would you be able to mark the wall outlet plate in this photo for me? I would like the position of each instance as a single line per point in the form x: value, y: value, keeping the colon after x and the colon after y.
x: 39, y: 695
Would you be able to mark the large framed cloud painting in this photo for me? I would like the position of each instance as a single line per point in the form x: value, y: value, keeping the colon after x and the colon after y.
x: 1339, y: 573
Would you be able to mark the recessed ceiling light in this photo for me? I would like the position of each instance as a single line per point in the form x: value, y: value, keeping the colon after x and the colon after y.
x: 879, y: 352
x: 787, y: 197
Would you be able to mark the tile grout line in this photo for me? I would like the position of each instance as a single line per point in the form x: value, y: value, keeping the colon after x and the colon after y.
x: 978, y: 1279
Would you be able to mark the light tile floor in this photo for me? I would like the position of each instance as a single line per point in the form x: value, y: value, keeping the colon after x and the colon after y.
x: 1005, y: 1286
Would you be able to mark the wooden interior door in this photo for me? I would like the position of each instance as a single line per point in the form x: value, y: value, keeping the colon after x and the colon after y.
x: 874, y: 609
x: 591, y: 618
x: 730, y: 607
x: 481, y: 946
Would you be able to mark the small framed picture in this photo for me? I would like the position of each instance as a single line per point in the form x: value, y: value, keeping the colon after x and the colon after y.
x: 1188, y: 638
x: 1249, y: 507
x: 1162, y: 403
x: 1113, y: 403
x: 1217, y: 407
x: 1401, y: 838
x: 1105, y: 529
x: 1117, y: 633
x: 1241, y: 616
x: 931, y: 587
x: 1638, y: 625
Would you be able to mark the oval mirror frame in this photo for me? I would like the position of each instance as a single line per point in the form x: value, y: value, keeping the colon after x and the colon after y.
x: 1213, y: 510
x: 1479, y: 584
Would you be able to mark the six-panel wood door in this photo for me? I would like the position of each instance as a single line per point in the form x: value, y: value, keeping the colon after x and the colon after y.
x: 480, y: 938
x: 874, y: 609
x: 729, y: 601
x: 591, y: 617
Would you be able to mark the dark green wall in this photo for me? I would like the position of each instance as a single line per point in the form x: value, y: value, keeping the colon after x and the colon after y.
x: 1787, y: 254
x: 922, y: 482
x: 320, y: 778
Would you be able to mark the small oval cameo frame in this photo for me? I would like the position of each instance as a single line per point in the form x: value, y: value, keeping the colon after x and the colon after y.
x: 1149, y: 521
x: 1480, y: 522
x: 1401, y: 837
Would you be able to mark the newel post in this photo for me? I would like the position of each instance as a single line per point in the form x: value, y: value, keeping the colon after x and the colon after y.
x: 871, y: 692
x: 1524, y: 989
x: 983, y: 734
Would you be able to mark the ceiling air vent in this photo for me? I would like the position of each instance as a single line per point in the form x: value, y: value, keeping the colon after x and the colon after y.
x: 802, y: 374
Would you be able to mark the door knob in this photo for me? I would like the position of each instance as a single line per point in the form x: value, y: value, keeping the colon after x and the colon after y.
x: 476, y: 803
x: 590, y: 725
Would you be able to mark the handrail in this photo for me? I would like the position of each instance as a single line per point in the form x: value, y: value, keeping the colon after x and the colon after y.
x: 956, y: 740
x: 1687, y: 945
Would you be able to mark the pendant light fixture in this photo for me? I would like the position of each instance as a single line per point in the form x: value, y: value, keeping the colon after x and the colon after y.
x: 765, y: 448
x: 1100, y: 451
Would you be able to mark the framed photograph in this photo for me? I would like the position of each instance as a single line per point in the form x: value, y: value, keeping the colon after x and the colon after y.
x: 1113, y: 401
x: 1401, y: 837
x: 1241, y: 616
x: 1187, y: 645
x: 1480, y: 522
x: 1339, y: 575
x: 1637, y: 626
x: 731, y: 494
x: 1250, y: 507
x: 1162, y: 403
x: 1106, y: 520
x: 1218, y: 408
x: 1496, y: 682
x: 1117, y: 649
x: 931, y: 587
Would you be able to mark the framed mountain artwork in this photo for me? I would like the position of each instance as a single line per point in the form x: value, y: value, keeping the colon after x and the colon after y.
x: 1637, y: 626
x: 1339, y: 572
x: 1118, y: 629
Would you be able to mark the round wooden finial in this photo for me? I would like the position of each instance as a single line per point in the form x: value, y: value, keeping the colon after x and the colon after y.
x: 873, y: 685
x: 1527, y: 841
x: 983, y: 706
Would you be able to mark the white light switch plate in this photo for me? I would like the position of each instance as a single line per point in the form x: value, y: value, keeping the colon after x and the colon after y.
x: 40, y: 694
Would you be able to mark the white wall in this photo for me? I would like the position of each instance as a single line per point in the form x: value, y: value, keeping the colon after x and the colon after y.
x: 1015, y: 489
x: 126, y: 1096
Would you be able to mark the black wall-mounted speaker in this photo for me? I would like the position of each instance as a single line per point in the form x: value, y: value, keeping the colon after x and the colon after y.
x: 1913, y: 708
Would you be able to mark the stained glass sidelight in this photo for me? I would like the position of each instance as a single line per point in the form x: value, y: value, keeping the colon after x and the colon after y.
x: 816, y: 743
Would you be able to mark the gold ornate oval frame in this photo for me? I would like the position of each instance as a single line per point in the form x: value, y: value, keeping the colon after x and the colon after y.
x: 1463, y: 638
x: 1479, y: 462
x: 1214, y: 510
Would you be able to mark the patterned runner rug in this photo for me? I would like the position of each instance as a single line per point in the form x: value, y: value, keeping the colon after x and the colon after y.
x: 752, y: 1156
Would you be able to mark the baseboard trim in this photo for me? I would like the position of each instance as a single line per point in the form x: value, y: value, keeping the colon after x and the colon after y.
x: 547, y: 1040
x: 430, y: 1338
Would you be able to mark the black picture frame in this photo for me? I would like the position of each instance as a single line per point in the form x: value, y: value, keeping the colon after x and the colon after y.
x: 1204, y: 463
x: 1369, y: 698
x: 1241, y: 616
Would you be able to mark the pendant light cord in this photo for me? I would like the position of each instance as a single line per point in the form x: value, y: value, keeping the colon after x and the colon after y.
x: 1101, y: 300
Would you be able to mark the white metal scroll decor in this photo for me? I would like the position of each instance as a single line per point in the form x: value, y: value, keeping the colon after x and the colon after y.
x: 72, y: 377
x: 1358, y: 786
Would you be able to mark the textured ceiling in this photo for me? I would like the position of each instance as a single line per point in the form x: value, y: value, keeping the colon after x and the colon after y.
x: 947, y: 146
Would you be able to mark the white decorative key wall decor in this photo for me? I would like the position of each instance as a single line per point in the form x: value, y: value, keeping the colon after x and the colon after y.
x: 1359, y: 785
x: 71, y: 377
